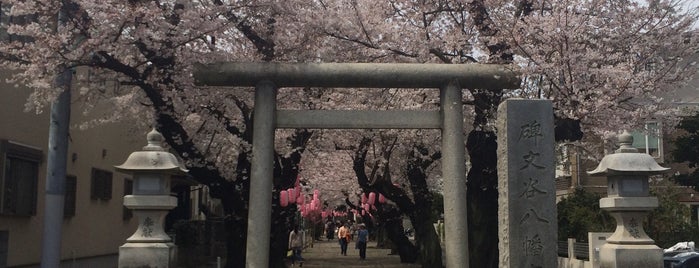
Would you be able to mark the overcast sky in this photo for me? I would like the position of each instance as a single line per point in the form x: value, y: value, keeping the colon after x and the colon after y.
x: 692, y: 3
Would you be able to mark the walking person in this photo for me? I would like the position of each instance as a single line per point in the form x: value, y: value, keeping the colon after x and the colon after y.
x: 344, y: 235
x: 362, y: 239
x: 296, y: 246
x: 329, y: 229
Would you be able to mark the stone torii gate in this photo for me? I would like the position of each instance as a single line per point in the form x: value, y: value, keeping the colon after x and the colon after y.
x: 268, y: 77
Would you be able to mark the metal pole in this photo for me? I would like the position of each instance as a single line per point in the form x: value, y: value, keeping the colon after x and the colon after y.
x: 56, y: 173
x: 454, y: 176
x: 56, y: 159
x: 260, y: 210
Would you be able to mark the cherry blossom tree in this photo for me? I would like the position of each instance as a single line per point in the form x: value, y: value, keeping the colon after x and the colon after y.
x: 148, y: 56
x: 602, y: 62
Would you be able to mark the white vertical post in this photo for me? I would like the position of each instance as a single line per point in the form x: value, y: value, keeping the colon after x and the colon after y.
x: 454, y: 176
x: 56, y: 173
x: 260, y: 209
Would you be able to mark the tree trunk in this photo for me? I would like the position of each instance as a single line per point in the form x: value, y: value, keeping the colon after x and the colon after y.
x: 283, y: 219
x: 428, y: 244
x: 421, y: 215
x: 235, y: 230
x: 481, y: 186
x: 380, y: 235
x: 482, y: 198
x: 395, y: 232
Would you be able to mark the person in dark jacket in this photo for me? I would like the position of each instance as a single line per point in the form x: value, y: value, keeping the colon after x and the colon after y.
x: 362, y: 239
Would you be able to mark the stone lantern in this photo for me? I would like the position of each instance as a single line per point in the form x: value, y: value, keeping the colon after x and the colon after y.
x: 152, y: 169
x: 628, y: 201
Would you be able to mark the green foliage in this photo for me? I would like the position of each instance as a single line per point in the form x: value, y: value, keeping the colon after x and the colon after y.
x: 670, y: 222
x: 185, y: 233
x: 437, y: 206
x: 579, y: 213
x: 687, y: 150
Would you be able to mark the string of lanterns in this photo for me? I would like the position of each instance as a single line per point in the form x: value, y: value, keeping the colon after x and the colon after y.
x: 313, y: 210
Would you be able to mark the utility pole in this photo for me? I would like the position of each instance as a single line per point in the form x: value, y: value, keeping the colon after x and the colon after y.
x: 56, y: 163
x: 56, y: 173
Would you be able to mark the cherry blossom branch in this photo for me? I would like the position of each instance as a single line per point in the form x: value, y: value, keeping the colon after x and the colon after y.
x: 227, y: 122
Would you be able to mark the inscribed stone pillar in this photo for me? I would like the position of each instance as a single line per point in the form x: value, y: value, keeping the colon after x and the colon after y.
x: 527, y: 192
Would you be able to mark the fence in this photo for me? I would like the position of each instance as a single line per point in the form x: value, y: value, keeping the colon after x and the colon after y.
x: 580, y: 250
x: 573, y: 254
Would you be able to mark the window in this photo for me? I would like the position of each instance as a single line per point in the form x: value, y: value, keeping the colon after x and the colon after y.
x: 649, y: 140
x: 18, y: 179
x: 69, y: 202
x: 101, y: 187
x: 127, y: 214
x: 7, y: 19
x: 4, y: 247
x: 4, y: 21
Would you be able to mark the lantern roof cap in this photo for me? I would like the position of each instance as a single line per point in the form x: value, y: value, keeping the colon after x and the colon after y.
x: 153, y: 158
x: 627, y: 160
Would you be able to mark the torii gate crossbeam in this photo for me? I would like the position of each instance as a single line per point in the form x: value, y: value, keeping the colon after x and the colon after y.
x: 268, y: 77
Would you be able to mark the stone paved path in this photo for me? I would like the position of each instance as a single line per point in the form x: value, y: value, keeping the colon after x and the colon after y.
x: 327, y: 254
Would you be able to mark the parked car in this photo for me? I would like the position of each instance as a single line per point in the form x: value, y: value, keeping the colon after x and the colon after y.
x: 682, y: 260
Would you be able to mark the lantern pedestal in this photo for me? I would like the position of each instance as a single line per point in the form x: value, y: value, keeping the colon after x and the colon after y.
x: 616, y: 255
x: 630, y: 246
x: 149, y: 245
x: 161, y: 255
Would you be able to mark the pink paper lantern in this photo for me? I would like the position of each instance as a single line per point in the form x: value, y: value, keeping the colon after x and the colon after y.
x: 382, y: 199
x: 316, y: 194
x: 363, y: 198
x: 372, y: 198
x: 283, y: 198
x: 292, y: 195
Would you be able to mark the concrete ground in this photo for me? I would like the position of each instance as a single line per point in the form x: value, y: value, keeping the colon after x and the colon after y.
x: 327, y: 254
x: 106, y: 261
x: 322, y: 254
